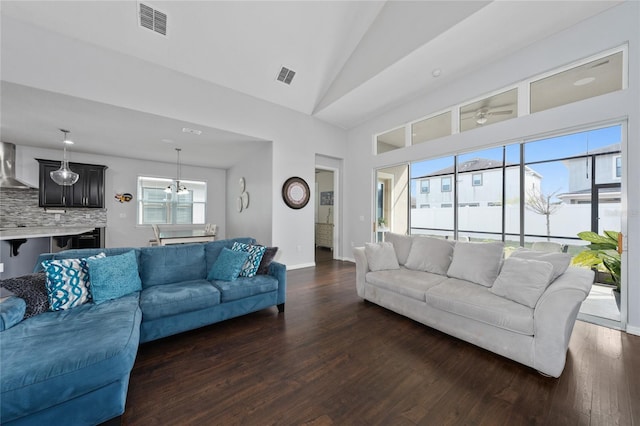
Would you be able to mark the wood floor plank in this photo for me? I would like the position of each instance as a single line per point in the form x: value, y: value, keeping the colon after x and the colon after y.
x: 333, y: 359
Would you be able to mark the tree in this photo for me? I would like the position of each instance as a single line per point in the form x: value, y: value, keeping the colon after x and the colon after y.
x: 540, y: 203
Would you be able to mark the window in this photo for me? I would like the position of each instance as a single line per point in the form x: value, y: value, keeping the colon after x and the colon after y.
x: 618, y: 167
x: 431, y: 128
x: 446, y: 205
x: 424, y: 186
x: 390, y: 140
x: 425, y: 206
x: 446, y: 184
x: 476, y: 179
x: 493, y: 109
x: 468, y: 204
x: 155, y: 206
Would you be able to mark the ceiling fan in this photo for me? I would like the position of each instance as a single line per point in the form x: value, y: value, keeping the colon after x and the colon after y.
x: 482, y: 115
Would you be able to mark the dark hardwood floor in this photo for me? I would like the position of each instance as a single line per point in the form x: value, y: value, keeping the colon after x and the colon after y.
x: 332, y: 359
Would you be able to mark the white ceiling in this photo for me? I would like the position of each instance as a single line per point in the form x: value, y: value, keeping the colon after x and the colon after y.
x: 353, y: 59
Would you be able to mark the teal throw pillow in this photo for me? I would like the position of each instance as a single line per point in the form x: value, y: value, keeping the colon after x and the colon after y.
x: 114, y: 276
x: 228, y: 265
x: 67, y: 282
x: 251, y: 265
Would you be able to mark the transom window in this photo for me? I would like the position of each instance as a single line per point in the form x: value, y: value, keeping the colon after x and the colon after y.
x: 156, y: 206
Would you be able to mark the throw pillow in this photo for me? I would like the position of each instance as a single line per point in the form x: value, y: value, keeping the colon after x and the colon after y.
x: 430, y: 255
x: 67, y: 282
x: 560, y: 261
x: 113, y: 276
x: 32, y: 289
x: 252, y: 263
x: 381, y: 256
x: 401, y: 244
x: 267, y: 258
x: 523, y: 280
x: 476, y: 262
x: 228, y: 265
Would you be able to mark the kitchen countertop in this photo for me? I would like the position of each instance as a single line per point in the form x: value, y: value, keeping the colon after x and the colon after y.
x: 42, y: 231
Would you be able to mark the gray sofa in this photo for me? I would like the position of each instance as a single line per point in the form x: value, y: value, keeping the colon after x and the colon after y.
x: 523, y: 307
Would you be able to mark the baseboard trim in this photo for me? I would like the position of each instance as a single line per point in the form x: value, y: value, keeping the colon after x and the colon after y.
x: 633, y: 330
x: 300, y: 266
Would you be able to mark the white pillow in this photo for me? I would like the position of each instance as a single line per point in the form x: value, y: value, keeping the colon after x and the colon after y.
x: 559, y: 261
x: 523, y: 280
x: 430, y: 255
x: 476, y: 262
x: 380, y: 256
x: 401, y: 244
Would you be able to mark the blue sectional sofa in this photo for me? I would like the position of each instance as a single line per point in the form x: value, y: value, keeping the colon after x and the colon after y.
x: 72, y: 366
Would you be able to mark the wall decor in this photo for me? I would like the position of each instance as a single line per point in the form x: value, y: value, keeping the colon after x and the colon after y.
x: 243, y: 199
x: 124, y: 198
x: 295, y: 192
x: 326, y: 198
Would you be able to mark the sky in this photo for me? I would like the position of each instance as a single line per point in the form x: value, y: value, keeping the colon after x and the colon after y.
x: 554, y: 174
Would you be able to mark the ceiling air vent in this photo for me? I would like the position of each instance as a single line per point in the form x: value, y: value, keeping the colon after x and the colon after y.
x: 153, y: 19
x: 286, y: 75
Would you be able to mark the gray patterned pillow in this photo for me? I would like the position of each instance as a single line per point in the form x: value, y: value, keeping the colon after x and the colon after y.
x: 32, y: 289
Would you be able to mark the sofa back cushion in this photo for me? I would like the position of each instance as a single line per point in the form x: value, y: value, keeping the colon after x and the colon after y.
x: 82, y: 253
x: 430, y: 255
x: 171, y: 264
x: 380, y: 256
x: 559, y: 261
x: 401, y: 244
x: 212, y: 250
x: 476, y: 262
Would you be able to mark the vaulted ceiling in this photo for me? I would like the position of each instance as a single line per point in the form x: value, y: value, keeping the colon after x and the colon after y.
x: 353, y: 59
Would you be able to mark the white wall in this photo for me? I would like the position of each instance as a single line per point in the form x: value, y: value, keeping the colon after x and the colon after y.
x: 610, y: 29
x: 255, y: 221
x: 121, y: 176
x: 50, y: 61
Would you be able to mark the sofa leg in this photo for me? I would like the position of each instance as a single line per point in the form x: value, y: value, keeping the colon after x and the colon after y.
x: 281, y: 307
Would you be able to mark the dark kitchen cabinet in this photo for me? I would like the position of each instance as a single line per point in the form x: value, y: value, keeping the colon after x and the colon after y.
x: 88, y: 191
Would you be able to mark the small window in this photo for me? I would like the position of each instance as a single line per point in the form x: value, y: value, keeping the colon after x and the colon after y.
x: 446, y: 205
x: 425, y: 206
x: 618, y: 166
x: 494, y: 204
x: 424, y: 186
x: 585, y: 81
x: 431, y: 128
x: 476, y: 179
x: 389, y: 141
x: 446, y: 184
x: 468, y: 204
x: 493, y: 109
x: 157, y: 206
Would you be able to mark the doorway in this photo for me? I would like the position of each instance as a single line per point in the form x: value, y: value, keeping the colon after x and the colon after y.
x: 324, y: 222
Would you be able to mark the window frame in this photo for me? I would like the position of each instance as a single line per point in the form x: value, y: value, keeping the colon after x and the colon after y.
x: 449, y: 185
x: 173, y: 205
x: 473, y: 179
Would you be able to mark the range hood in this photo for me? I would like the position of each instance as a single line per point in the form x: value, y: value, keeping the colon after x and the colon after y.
x: 8, y: 168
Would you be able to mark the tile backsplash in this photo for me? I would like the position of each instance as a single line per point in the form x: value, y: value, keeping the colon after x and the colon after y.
x: 19, y: 207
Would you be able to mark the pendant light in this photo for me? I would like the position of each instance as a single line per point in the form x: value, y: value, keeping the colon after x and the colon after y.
x: 64, y: 175
x: 180, y: 189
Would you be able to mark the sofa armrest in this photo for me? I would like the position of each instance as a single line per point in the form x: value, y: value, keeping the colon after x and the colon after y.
x: 554, y: 317
x: 362, y: 267
x: 279, y: 271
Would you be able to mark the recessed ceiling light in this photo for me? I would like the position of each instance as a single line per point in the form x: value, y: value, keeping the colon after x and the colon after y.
x: 436, y: 72
x: 192, y: 131
x: 584, y: 81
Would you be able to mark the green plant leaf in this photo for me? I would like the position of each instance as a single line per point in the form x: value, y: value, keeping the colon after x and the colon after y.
x: 613, y: 235
x: 592, y: 237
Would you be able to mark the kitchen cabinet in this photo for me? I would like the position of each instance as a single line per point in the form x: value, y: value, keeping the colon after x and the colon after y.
x: 88, y: 191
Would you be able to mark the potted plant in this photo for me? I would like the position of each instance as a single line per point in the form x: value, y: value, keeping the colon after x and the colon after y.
x: 602, y: 253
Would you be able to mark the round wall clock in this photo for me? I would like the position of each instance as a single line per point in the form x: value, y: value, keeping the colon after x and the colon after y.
x: 295, y: 193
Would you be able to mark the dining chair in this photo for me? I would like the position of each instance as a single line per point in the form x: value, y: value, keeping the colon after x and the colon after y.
x: 156, y: 232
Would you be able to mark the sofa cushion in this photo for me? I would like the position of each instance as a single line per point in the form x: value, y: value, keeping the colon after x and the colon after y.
x: 401, y: 244
x: 173, y: 299
x: 67, y: 282
x: 113, y: 276
x: 250, y: 267
x: 476, y: 302
x: 380, y: 256
x: 171, y: 264
x: 32, y: 289
x: 267, y: 258
x: 476, y: 262
x: 523, y: 280
x: 228, y: 265
x: 57, y: 356
x: 430, y: 255
x: 559, y: 261
x: 405, y: 281
x: 213, y: 249
x: 12, y: 311
x: 246, y: 287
